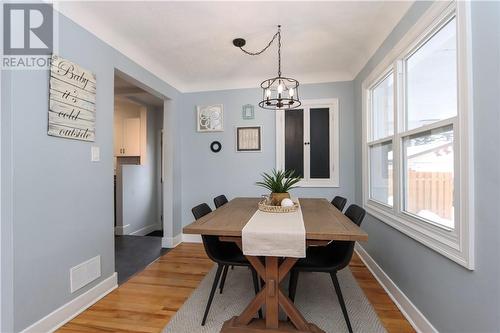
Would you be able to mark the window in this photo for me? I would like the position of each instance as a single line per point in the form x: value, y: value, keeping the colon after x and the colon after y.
x: 383, y: 108
x: 428, y: 176
x: 417, y: 129
x: 381, y: 173
x: 307, y: 142
x: 431, y: 94
x: 431, y: 79
x: 380, y: 148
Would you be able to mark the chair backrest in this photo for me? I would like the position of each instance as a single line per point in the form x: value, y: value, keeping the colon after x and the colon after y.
x: 201, y: 210
x: 345, y: 249
x: 339, y: 202
x: 219, y: 201
x: 355, y: 213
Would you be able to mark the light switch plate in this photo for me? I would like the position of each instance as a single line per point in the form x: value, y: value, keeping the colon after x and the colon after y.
x: 95, y: 154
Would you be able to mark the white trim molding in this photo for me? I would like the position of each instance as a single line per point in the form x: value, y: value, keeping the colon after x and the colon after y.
x: 122, y: 229
x: 419, y: 322
x: 146, y: 230
x: 187, y: 238
x: 455, y: 243
x: 73, y: 308
x: 171, y: 242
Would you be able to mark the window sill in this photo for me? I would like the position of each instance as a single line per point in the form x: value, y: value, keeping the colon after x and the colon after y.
x: 444, y: 242
x: 319, y: 183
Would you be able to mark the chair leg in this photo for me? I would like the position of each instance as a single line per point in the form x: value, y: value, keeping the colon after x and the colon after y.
x: 292, y: 286
x: 341, y: 300
x: 212, y: 292
x: 223, y: 279
x: 256, y: 287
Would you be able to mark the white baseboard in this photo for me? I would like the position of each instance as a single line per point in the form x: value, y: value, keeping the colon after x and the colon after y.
x: 407, y: 308
x: 171, y: 242
x: 146, y: 230
x: 122, y: 229
x: 68, y: 311
x: 186, y: 238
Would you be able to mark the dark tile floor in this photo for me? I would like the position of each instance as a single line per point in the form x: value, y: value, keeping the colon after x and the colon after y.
x: 156, y: 233
x: 134, y: 253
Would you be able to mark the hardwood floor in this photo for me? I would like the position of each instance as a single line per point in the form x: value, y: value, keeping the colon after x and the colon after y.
x: 147, y: 301
x: 389, y: 314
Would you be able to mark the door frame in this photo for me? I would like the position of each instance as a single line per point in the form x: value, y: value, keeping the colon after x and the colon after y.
x: 168, y: 155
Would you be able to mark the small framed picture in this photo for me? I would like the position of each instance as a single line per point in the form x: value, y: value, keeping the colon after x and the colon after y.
x: 210, y: 118
x: 249, y: 139
x: 247, y: 112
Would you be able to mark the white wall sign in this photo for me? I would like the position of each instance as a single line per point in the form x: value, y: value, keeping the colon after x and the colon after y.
x: 72, y: 101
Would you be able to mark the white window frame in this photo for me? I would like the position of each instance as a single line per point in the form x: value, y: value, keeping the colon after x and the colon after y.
x: 387, y: 139
x: 333, y: 105
x: 456, y: 244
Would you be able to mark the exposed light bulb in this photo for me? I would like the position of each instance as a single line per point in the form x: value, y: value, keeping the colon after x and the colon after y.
x: 280, y: 88
x: 291, y: 92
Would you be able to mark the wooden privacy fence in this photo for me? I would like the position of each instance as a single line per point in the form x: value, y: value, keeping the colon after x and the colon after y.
x: 432, y: 191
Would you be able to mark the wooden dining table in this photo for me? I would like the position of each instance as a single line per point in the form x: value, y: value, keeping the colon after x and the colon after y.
x: 323, y: 223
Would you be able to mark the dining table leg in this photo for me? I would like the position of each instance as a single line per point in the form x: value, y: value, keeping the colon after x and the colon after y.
x: 272, y: 298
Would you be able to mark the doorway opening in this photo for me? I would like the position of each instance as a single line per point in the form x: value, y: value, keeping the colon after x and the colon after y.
x: 138, y: 177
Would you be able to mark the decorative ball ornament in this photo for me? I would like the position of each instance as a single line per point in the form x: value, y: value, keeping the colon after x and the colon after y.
x: 287, y: 202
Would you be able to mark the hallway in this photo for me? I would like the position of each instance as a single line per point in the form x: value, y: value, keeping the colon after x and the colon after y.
x: 134, y: 253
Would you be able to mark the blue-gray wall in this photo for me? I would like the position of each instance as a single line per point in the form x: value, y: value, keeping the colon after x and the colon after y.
x: 57, y: 208
x: 206, y: 174
x: 57, y: 205
x: 451, y: 297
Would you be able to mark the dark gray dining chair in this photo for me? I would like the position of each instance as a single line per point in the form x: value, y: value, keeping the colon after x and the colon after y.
x: 220, y: 201
x: 224, y: 254
x: 339, y: 202
x: 329, y: 259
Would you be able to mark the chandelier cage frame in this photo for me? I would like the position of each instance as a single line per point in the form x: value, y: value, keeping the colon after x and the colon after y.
x: 279, y: 92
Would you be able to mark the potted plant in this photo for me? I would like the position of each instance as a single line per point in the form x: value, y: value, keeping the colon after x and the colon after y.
x: 279, y: 182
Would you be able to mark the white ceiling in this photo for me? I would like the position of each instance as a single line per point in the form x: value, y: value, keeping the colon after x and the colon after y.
x: 189, y: 44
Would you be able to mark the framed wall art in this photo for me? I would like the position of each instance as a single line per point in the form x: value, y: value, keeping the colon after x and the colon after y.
x: 210, y: 118
x: 247, y: 112
x: 249, y: 139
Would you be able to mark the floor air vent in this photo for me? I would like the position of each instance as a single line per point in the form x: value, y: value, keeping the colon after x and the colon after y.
x: 84, y: 273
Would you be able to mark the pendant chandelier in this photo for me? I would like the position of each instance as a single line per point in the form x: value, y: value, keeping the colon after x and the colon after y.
x: 278, y: 93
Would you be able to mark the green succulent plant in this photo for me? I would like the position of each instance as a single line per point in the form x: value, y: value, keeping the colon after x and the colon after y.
x: 279, y: 181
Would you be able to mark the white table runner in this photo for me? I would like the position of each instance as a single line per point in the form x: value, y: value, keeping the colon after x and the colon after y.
x: 275, y: 234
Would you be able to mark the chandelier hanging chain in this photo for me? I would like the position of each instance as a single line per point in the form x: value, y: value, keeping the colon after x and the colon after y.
x: 277, y: 92
x: 277, y: 34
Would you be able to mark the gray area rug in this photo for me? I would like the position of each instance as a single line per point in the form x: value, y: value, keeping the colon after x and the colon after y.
x: 315, y: 298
